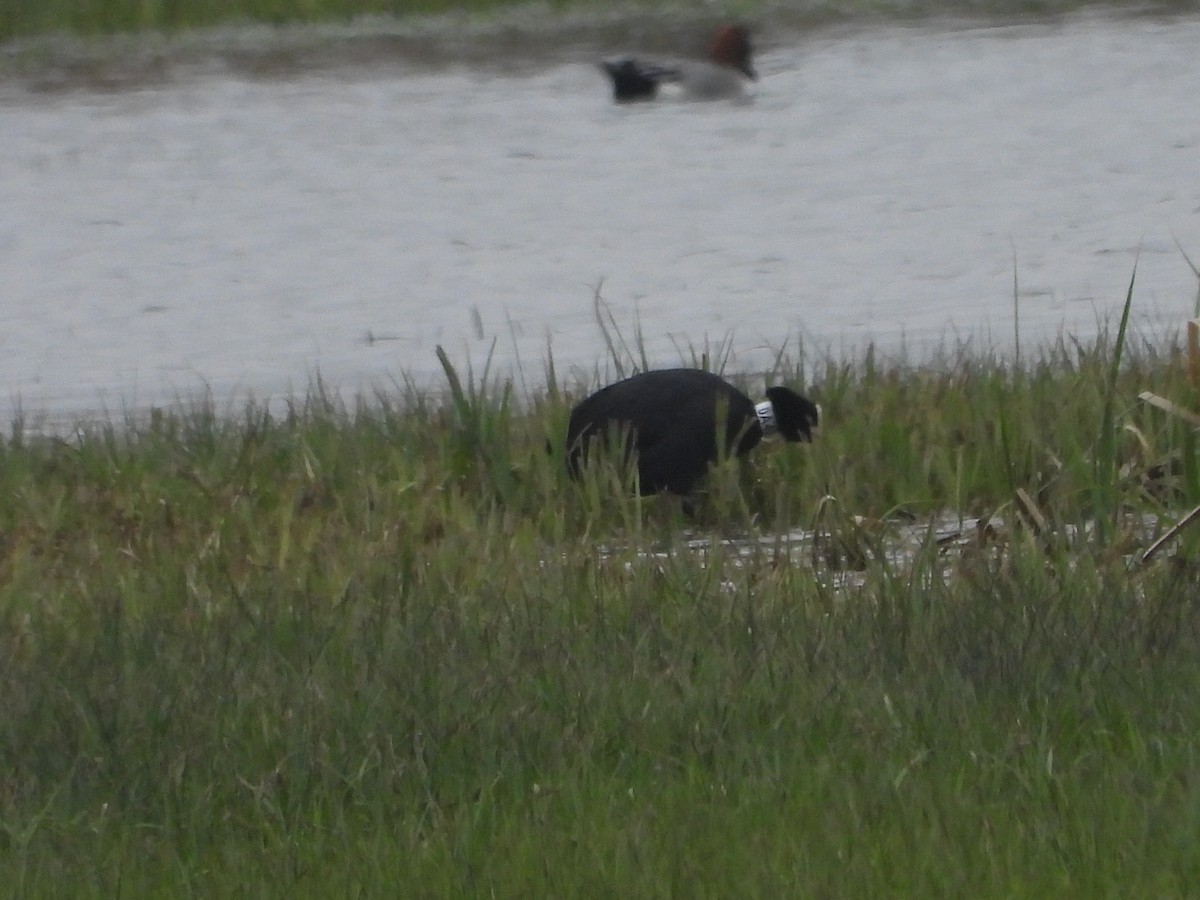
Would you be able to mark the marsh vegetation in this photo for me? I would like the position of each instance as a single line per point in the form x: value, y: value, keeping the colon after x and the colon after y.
x: 394, y: 649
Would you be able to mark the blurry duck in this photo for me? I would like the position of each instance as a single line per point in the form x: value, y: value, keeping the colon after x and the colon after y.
x: 722, y: 76
x: 670, y: 420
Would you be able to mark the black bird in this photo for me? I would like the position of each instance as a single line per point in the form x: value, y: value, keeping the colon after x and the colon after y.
x: 669, y: 419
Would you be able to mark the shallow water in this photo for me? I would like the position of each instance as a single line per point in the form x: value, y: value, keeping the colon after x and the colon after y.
x: 243, y: 233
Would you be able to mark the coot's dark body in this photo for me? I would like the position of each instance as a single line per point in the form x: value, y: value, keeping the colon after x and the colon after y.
x: 672, y: 419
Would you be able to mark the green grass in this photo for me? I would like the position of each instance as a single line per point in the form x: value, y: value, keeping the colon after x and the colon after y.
x: 109, y: 16
x: 393, y: 651
x: 25, y: 18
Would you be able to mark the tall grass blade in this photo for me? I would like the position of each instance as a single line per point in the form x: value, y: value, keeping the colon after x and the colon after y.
x: 1105, y: 470
x: 1016, y: 316
x: 1196, y: 272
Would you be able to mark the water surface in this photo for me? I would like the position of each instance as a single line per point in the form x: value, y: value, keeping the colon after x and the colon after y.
x: 226, y: 231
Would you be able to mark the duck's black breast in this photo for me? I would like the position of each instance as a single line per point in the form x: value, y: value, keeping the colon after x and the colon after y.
x: 635, y: 80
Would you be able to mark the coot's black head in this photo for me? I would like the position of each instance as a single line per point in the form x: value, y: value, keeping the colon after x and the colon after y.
x: 796, y: 417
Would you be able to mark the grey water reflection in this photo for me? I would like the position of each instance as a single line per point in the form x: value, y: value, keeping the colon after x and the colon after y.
x: 892, y: 185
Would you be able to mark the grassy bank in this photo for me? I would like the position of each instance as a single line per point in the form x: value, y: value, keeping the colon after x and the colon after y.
x: 394, y: 652
x: 110, y: 16
x: 95, y: 17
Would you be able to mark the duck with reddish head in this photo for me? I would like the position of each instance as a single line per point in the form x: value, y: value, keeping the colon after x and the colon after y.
x: 723, y: 75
